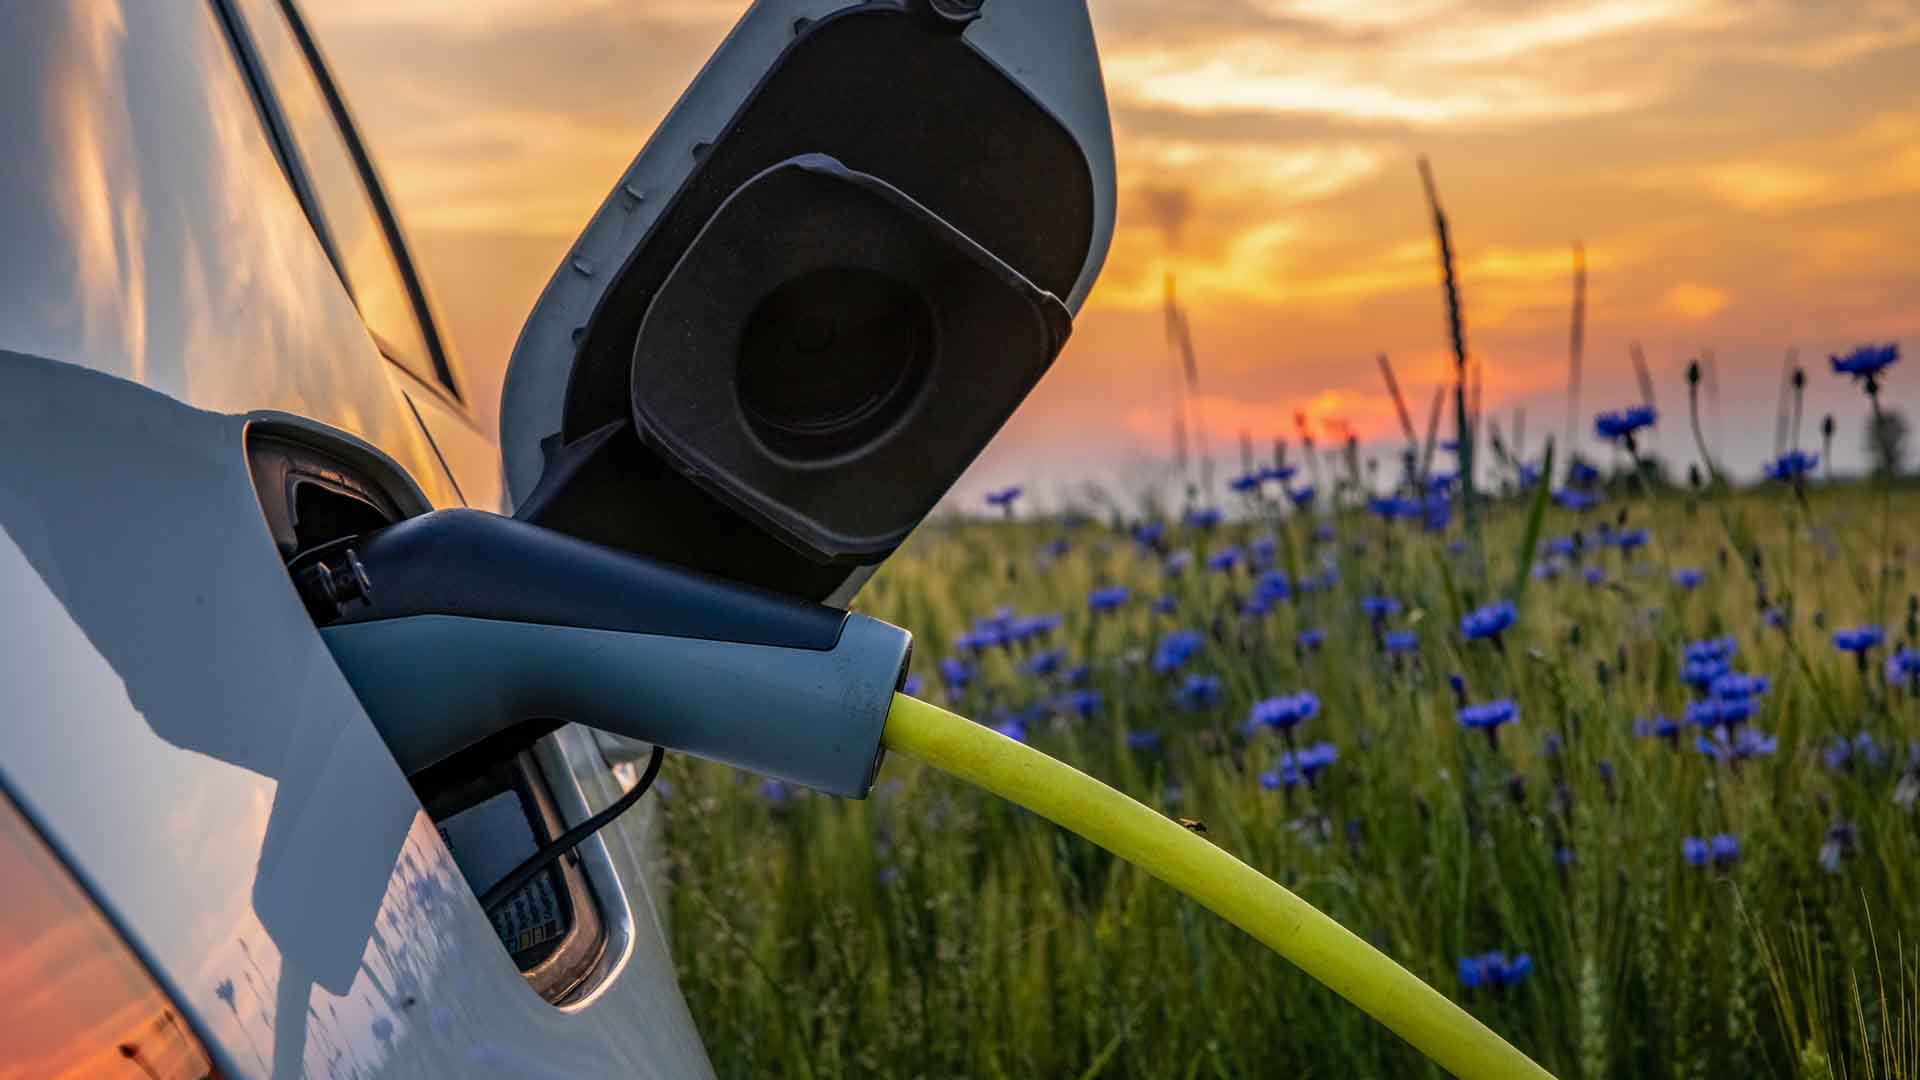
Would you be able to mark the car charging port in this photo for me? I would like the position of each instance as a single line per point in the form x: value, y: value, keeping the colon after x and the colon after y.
x: 493, y: 803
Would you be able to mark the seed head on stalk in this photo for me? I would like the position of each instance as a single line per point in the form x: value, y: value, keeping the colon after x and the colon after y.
x: 1456, y: 332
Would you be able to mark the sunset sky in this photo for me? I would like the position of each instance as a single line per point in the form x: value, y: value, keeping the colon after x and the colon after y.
x: 1744, y: 174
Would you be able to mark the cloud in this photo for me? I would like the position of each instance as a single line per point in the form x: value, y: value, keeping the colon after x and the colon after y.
x: 1695, y: 302
x: 1718, y: 157
x: 1167, y: 208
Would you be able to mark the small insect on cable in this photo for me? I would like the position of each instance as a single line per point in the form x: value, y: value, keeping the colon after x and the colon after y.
x: 505, y: 889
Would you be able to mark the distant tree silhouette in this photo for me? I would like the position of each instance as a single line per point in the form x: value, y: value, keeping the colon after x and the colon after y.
x: 1886, y: 442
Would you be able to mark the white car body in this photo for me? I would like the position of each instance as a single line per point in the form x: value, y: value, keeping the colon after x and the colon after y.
x: 170, y: 720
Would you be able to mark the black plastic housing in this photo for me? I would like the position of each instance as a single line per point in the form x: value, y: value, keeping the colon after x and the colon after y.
x: 882, y: 164
x: 829, y: 356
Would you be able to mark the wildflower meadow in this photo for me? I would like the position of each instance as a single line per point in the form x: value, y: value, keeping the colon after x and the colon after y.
x: 1628, y: 767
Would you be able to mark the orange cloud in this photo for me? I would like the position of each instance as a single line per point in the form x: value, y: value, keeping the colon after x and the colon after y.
x: 1265, y: 152
x: 1697, y: 302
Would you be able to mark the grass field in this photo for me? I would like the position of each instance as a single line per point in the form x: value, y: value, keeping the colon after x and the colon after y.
x: 934, y: 931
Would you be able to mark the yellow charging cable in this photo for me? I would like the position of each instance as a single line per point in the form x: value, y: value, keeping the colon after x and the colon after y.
x: 1230, y: 888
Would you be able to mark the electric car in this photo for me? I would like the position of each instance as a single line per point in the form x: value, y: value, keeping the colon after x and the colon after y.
x: 251, y: 809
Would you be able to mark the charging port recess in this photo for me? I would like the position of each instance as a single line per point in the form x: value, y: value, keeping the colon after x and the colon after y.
x: 491, y: 803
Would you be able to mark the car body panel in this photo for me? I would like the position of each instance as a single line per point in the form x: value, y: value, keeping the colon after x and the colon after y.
x: 175, y: 726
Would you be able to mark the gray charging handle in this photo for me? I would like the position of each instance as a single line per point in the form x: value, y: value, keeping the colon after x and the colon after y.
x: 460, y: 624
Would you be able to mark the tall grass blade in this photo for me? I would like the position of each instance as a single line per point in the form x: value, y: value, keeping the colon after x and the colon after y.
x: 1530, y: 536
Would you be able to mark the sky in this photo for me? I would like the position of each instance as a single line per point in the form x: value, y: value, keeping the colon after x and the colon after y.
x: 1744, y: 176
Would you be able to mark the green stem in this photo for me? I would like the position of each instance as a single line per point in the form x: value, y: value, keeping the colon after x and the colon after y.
x: 1884, y: 570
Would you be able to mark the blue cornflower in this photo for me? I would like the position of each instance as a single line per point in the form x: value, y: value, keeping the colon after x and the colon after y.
x: 1272, y: 586
x: 1562, y: 546
x: 1582, y: 474
x: 1283, y: 713
x: 1150, y: 533
x: 1595, y: 575
x: 1733, y: 686
x: 1720, y: 648
x: 1143, y: 740
x: 912, y: 685
x: 1199, y: 693
x: 1700, y: 674
x: 1841, y: 754
x: 1705, y: 712
x: 1629, y: 539
x: 1489, y: 716
x: 1164, y: 605
x: 955, y: 673
x: 1309, y: 640
x: 1279, y: 473
x: 1034, y: 627
x: 1379, y: 607
x: 1004, y: 498
x: 1489, y: 622
x: 1177, y: 563
x: 1301, y: 765
x: 1436, y: 513
x: 1224, y: 560
x: 1175, y: 650
x: 1858, y: 640
x: 1792, y: 465
x: 1082, y: 703
x: 774, y: 792
x: 1575, y: 499
x: 1723, y: 850
x: 1078, y: 675
x: 1736, y: 710
x: 1688, y: 579
x: 1013, y: 728
x: 1743, y: 743
x: 1458, y: 685
x: 1493, y: 970
x: 1615, y: 426
x: 1866, y: 361
x: 1440, y: 483
x: 1658, y: 726
x: 1202, y: 517
x: 1045, y: 662
x: 1245, y: 483
x: 1311, y: 760
x: 1057, y: 547
x: 1302, y: 496
x: 981, y: 639
x: 1903, y: 669
x: 1107, y: 598
x: 1261, y: 550
x: 1401, y: 641
x: 1256, y: 605
x: 1390, y: 507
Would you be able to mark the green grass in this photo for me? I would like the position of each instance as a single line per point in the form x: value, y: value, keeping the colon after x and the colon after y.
x: 934, y: 931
